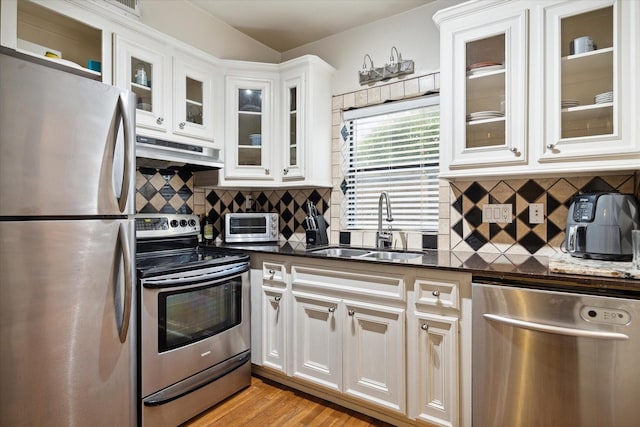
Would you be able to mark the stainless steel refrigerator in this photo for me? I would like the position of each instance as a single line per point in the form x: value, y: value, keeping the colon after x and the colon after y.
x: 67, y: 242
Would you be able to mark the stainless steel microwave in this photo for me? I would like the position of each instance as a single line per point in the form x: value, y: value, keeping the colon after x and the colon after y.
x: 251, y: 227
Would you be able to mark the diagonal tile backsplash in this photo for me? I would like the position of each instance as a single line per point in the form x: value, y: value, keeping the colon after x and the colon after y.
x: 469, y: 233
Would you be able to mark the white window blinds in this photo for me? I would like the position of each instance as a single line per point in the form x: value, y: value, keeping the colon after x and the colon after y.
x: 393, y: 148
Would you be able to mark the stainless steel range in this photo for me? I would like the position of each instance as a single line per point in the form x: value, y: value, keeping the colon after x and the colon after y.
x: 194, y: 320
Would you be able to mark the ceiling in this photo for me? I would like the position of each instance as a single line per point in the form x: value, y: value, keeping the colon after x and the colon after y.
x: 286, y: 24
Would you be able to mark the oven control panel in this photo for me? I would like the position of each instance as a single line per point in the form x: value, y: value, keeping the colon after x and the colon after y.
x: 166, y: 225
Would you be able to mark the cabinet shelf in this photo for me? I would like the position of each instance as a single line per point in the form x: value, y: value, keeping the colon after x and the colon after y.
x: 140, y: 87
x: 484, y: 121
x: 194, y: 103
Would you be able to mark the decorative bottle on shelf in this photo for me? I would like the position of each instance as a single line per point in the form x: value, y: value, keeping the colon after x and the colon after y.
x: 207, y: 231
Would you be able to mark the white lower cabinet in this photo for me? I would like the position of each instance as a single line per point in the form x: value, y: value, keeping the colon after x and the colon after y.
x: 352, y: 347
x: 317, y: 339
x: 355, y: 334
x: 274, y: 316
x: 435, y: 373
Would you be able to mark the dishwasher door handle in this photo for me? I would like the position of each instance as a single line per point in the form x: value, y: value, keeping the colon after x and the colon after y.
x: 558, y: 330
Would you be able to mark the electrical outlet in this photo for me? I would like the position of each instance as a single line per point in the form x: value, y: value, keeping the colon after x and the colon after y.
x: 497, y: 213
x: 247, y: 202
x: 536, y: 213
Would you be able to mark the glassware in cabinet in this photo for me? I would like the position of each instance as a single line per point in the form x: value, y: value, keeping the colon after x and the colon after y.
x: 141, y: 76
x: 249, y: 127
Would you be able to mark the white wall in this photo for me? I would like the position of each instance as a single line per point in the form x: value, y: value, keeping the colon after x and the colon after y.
x: 190, y: 24
x: 413, y: 33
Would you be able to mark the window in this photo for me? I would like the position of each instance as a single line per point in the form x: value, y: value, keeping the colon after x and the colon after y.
x: 393, y: 148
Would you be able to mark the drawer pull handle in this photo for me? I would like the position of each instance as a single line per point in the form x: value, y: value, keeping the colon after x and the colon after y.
x: 551, y: 146
x: 181, y: 125
x: 351, y: 312
x: 332, y: 309
x: 159, y: 120
x: 272, y: 274
x: 277, y: 299
x: 436, y: 293
x: 424, y: 327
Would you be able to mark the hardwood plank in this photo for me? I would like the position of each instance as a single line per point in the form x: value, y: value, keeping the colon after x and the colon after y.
x: 266, y: 403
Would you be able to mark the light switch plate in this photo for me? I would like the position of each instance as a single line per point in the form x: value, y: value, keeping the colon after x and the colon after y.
x: 497, y: 213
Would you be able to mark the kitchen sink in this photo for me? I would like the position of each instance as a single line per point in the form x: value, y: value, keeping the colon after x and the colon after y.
x: 367, y: 254
x: 341, y: 252
x: 390, y: 256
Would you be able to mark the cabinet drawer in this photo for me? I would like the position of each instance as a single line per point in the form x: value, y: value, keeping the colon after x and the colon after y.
x: 315, y: 279
x: 274, y: 273
x: 438, y: 293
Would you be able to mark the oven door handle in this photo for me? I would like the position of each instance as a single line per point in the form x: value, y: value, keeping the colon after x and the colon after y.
x: 196, y: 279
x: 197, y: 381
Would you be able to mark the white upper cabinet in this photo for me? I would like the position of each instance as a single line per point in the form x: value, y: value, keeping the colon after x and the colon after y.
x: 539, y: 87
x: 589, y: 81
x: 284, y: 137
x: 485, y: 60
x: 193, y: 92
x: 141, y: 67
x: 174, y: 89
x: 248, y: 128
x: 72, y: 38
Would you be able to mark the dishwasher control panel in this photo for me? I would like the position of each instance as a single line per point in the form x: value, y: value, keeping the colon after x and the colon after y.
x: 606, y: 315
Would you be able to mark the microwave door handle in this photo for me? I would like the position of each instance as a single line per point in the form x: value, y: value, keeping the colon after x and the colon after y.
x: 123, y: 244
x: 553, y: 329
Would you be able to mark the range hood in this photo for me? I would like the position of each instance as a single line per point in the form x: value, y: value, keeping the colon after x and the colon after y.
x: 153, y: 152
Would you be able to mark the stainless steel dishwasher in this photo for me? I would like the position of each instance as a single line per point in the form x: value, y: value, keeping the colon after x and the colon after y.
x: 546, y: 358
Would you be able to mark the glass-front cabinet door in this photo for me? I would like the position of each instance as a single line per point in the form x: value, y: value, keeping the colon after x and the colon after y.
x: 193, y: 89
x: 489, y: 69
x: 293, y: 128
x: 140, y: 68
x: 587, y: 65
x: 249, y: 128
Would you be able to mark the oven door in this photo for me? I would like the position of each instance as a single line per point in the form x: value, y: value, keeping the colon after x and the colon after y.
x: 191, y: 321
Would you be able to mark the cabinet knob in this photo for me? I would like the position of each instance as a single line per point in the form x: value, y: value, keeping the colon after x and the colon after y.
x: 277, y: 299
x: 515, y: 151
x: 267, y: 171
x: 424, y: 327
x: 351, y: 312
x: 285, y: 171
x: 436, y: 293
x: 332, y: 309
x: 551, y: 146
x: 159, y: 120
x: 272, y: 274
x: 181, y: 125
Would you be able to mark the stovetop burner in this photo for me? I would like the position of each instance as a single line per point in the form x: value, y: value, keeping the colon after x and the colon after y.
x: 168, y: 243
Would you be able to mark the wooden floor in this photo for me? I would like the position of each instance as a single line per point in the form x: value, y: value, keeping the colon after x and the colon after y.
x: 266, y: 403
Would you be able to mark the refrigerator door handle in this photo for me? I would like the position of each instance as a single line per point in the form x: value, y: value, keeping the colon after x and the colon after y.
x: 123, y: 241
x: 128, y: 120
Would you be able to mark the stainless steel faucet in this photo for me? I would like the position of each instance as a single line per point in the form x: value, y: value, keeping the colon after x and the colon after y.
x: 384, y: 239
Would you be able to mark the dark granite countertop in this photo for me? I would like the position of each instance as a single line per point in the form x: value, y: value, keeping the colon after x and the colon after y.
x: 521, y: 270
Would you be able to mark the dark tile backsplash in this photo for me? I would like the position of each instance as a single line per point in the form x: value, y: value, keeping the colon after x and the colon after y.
x: 172, y: 191
x: 164, y: 191
x: 289, y: 204
x: 469, y: 233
